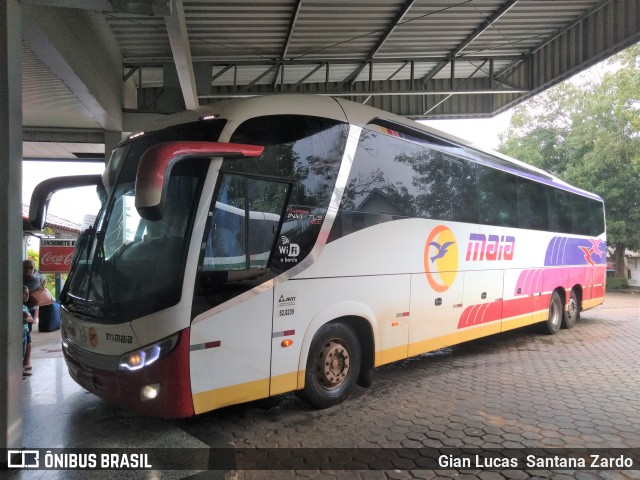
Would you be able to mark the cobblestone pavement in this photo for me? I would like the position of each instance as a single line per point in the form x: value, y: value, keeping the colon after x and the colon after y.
x: 577, y: 389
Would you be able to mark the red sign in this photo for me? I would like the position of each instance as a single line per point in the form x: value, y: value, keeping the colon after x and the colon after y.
x: 56, y: 254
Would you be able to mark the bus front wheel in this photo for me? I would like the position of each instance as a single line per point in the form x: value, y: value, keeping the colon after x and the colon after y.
x: 556, y: 312
x: 333, y: 365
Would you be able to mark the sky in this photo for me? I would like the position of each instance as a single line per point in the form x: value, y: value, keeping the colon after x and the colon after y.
x: 481, y: 131
x: 73, y: 204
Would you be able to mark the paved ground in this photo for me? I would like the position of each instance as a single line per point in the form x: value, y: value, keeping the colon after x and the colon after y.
x: 577, y: 389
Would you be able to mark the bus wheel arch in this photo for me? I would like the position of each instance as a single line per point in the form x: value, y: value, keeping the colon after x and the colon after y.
x: 573, y: 308
x: 333, y: 364
x: 364, y: 333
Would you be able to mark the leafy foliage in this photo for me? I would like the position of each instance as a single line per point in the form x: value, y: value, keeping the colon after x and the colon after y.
x: 617, y: 283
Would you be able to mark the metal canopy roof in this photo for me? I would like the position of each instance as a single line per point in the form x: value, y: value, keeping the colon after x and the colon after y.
x: 85, y: 59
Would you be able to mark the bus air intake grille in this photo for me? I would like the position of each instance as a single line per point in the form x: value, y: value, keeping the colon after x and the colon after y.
x: 93, y: 360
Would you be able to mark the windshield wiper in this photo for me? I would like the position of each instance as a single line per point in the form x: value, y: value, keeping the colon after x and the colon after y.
x: 97, y: 268
x: 84, y: 240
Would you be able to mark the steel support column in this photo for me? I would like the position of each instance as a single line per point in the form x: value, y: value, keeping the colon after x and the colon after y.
x: 10, y: 224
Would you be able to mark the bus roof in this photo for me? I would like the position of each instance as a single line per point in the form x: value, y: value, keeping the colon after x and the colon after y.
x: 236, y: 111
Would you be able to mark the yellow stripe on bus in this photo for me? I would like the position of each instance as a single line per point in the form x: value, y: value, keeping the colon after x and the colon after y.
x: 594, y: 302
x: 223, y: 397
x: 516, y: 322
x: 390, y: 355
x: 479, y: 332
x: 285, y: 383
x: 541, y: 316
x: 432, y: 344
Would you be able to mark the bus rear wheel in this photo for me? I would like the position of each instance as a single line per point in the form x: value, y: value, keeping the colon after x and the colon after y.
x: 553, y: 323
x: 333, y: 365
x: 572, y: 315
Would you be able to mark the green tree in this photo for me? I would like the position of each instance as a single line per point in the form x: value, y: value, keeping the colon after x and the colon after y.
x: 588, y: 134
x: 31, y: 253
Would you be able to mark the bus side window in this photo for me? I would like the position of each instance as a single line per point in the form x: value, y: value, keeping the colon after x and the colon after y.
x: 596, y: 213
x: 532, y: 205
x: 266, y: 202
x: 580, y: 215
x: 225, y: 244
x: 559, y: 211
x: 498, y: 198
x: 244, y: 223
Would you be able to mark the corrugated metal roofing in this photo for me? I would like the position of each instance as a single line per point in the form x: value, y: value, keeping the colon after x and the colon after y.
x: 418, y: 58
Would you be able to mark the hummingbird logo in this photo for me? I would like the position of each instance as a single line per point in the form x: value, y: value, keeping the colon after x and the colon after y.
x: 441, y: 258
x: 442, y: 250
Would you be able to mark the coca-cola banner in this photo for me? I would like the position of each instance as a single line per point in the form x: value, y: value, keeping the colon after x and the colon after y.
x: 56, y: 254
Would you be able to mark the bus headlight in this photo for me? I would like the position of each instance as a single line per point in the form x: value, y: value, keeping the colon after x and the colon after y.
x: 148, y: 355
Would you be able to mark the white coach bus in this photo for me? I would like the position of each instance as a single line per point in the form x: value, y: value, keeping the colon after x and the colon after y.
x: 273, y: 244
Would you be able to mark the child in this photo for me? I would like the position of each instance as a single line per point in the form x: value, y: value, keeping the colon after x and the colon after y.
x: 27, y: 319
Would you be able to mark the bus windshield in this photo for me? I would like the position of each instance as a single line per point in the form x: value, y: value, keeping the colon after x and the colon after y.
x: 128, y: 266
x: 264, y: 219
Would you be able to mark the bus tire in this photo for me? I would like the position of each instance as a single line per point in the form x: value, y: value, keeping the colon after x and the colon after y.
x: 333, y: 365
x: 553, y: 323
x: 572, y: 315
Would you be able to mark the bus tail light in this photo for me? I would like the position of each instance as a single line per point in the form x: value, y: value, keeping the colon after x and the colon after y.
x: 148, y: 355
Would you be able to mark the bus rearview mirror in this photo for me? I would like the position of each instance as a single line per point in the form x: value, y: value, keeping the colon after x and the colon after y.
x: 156, y: 163
x: 44, y: 191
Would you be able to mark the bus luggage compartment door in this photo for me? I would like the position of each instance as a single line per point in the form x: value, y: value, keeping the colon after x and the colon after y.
x: 231, y: 354
x: 482, y: 311
x: 434, y: 315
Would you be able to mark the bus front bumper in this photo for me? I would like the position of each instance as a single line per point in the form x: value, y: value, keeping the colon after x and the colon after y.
x: 162, y: 389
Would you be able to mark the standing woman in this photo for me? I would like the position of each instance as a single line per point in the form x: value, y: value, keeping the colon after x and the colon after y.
x: 30, y: 279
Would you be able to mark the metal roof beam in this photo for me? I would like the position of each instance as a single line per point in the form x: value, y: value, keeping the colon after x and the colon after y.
x: 222, y: 72
x: 484, y: 26
x: 283, y: 54
x: 352, y: 77
x: 135, y: 7
x: 258, y: 78
x: 517, y: 62
x: 392, y: 26
x: 306, y: 76
x: 386, y: 34
x: 147, y: 63
x: 181, y: 50
x: 292, y: 25
x: 389, y: 78
x: 62, y: 135
x: 375, y: 92
x: 95, y: 5
x: 467, y: 41
x: 454, y: 91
